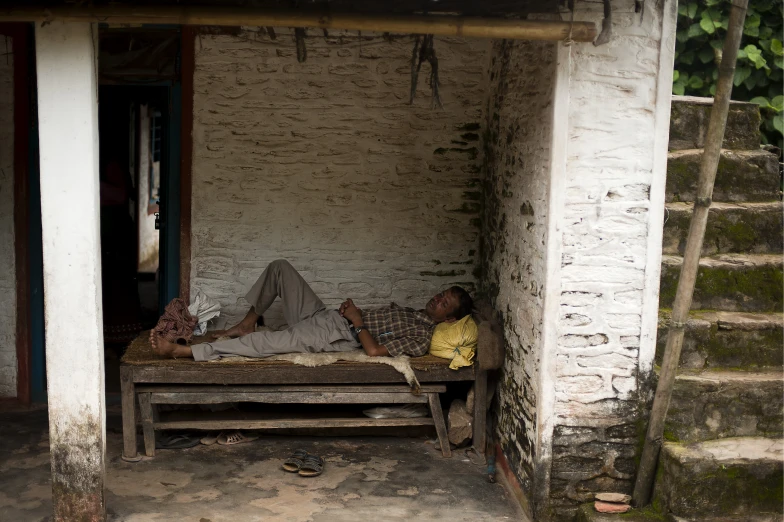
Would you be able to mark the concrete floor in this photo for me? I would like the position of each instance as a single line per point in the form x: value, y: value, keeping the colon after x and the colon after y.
x: 365, y: 479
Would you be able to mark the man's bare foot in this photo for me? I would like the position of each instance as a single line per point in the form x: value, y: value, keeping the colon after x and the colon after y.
x: 244, y: 327
x: 167, y: 348
x: 238, y: 330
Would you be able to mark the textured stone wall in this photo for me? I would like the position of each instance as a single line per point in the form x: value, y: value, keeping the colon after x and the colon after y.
x: 8, y: 367
x: 609, y: 225
x: 326, y: 164
x: 517, y: 159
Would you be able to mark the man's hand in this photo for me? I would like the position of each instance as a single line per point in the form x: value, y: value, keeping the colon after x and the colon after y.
x: 349, y: 310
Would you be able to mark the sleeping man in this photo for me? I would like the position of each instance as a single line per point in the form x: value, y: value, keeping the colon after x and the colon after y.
x: 390, y: 330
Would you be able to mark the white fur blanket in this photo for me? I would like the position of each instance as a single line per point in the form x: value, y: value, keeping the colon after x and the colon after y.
x: 401, y: 363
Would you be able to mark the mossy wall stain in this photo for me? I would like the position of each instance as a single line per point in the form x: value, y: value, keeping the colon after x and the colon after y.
x: 516, y: 144
x: 78, y: 473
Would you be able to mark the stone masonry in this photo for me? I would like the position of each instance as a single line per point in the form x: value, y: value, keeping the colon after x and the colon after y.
x: 517, y: 145
x: 611, y: 197
x: 7, y: 262
x: 326, y: 163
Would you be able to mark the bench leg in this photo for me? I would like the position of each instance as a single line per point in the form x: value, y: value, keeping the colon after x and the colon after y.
x: 438, y: 419
x: 480, y: 410
x: 128, y: 396
x: 148, y: 417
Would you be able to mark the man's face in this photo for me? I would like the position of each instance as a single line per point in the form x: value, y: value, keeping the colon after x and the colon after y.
x: 442, y: 307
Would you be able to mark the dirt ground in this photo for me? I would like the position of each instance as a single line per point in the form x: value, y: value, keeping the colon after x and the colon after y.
x: 365, y: 479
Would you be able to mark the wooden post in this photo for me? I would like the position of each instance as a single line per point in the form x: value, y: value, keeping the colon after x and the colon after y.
x: 691, y: 259
x: 66, y: 63
x: 438, y: 419
x: 146, y: 409
x: 128, y: 398
x: 480, y: 408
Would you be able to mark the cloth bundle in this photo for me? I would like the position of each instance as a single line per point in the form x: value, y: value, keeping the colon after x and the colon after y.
x: 456, y: 341
x: 203, y: 309
x: 176, y: 324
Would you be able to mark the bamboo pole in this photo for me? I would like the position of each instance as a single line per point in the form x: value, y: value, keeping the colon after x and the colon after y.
x: 442, y: 25
x: 691, y: 260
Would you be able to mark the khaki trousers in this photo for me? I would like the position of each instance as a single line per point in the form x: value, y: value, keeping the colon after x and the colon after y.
x: 312, y: 328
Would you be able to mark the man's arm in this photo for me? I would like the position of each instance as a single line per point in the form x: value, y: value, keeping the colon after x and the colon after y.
x: 369, y: 343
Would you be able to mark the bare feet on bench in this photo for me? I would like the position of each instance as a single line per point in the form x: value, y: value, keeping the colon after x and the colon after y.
x: 244, y: 327
x: 235, y: 331
x: 167, y: 348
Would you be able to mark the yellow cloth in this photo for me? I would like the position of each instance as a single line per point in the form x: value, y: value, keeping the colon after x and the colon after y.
x: 456, y: 341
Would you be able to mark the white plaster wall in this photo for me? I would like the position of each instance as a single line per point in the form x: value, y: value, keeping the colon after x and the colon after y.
x: 611, y: 246
x: 520, y: 122
x: 326, y: 164
x: 8, y: 367
x: 149, y: 238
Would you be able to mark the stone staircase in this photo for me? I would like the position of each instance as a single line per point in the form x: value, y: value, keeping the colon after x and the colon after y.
x: 722, y: 459
x: 724, y: 434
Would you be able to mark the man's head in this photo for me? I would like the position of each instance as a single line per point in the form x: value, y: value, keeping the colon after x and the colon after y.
x: 449, y: 305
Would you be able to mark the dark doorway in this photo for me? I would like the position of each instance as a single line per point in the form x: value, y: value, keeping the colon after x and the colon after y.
x: 139, y: 114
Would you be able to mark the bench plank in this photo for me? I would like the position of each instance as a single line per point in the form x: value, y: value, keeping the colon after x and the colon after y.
x: 218, y: 373
x: 250, y: 424
x: 427, y: 388
x: 218, y: 396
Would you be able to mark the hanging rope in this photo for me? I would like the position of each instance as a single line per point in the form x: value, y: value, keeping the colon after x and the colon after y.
x: 569, y: 40
x: 302, y: 51
x: 424, y: 52
x: 606, y: 33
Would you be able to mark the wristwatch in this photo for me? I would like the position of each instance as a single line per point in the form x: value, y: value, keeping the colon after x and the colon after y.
x: 358, y: 329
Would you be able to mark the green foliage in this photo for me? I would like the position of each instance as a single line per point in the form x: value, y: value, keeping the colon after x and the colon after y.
x: 702, y: 25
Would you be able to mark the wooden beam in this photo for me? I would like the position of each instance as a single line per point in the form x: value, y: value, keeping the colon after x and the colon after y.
x: 441, y: 25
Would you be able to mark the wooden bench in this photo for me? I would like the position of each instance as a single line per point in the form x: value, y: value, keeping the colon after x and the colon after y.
x: 147, y: 380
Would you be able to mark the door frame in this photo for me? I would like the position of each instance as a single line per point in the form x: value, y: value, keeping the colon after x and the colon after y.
x: 30, y: 343
x: 188, y: 35
x: 21, y: 39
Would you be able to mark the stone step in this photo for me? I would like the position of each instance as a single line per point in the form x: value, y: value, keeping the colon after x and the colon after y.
x: 721, y: 479
x: 742, y: 175
x: 714, y: 404
x: 742, y: 228
x: 689, y: 121
x: 750, y: 517
x: 736, y: 340
x: 731, y: 282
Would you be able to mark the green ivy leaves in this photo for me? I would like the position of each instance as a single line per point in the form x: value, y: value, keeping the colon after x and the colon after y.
x: 774, y: 108
x: 702, y: 25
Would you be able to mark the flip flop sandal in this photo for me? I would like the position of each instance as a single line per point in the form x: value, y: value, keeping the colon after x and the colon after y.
x: 312, y: 466
x: 294, y: 462
x: 235, y: 437
x: 211, y: 439
x: 476, y: 458
x: 177, y: 441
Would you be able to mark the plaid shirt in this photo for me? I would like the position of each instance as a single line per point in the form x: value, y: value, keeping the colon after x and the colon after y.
x: 400, y: 330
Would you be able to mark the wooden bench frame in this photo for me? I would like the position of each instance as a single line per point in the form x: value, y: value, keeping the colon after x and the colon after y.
x: 150, y: 396
x: 187, y: 382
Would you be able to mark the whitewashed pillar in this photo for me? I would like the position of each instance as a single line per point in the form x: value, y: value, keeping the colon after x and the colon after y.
x: 70, y: 212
